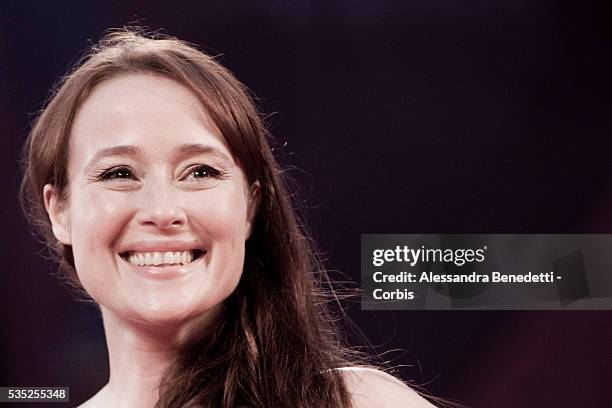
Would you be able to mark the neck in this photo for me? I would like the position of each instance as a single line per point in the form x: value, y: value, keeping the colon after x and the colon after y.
x: 139, y: 354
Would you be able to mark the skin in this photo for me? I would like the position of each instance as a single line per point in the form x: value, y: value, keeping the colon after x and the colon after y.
x: 158, y: 195
x: 371, y: 388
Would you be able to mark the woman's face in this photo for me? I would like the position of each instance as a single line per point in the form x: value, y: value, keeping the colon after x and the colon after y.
x: 158, y: 210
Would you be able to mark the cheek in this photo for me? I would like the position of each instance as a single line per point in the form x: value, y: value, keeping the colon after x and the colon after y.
x: 223, y: 215
x: 100, y: 218
x: 96, y: 223
x: 224, y: 226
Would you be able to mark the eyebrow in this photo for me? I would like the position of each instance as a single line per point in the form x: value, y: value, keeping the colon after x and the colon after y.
x: 184, y: 150
x: 194, y: 149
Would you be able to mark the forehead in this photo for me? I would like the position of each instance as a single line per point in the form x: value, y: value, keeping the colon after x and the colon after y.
x: 143, y: 110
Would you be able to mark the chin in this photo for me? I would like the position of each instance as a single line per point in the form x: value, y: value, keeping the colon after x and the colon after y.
x: 170, y: 313
x: 158, y: 313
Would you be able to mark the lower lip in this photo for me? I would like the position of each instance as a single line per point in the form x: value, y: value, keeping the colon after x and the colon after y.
x: 164, y: 272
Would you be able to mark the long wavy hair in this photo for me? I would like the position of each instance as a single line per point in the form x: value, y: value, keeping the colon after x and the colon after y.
x: 277, y: 345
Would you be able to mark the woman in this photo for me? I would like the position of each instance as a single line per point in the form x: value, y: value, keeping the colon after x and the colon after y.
x: 150, y: 176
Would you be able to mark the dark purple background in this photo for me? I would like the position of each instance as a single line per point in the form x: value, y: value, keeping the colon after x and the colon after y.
x: 405, y: 117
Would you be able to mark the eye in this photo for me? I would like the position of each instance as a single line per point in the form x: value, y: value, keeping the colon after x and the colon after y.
x: 200, y: 171
x: 117, y: 173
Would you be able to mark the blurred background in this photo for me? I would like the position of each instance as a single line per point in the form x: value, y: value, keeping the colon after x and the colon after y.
x: 399, y: 117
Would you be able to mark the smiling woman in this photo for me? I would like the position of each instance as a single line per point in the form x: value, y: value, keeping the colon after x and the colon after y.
x: 150, y: 176
x: 152, y: 186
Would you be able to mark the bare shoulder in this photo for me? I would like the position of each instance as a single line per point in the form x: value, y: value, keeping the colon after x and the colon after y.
x: 371, y: 388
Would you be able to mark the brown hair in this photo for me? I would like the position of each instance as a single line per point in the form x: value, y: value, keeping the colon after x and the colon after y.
x: 278, y: 345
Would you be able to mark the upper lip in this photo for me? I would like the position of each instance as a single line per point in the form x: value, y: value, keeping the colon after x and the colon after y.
x: 160, y: 246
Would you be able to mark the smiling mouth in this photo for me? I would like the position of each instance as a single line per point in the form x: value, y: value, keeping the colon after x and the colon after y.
x: 161, y: 259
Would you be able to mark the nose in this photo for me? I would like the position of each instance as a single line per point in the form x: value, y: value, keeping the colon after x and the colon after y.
x: 160, y: 208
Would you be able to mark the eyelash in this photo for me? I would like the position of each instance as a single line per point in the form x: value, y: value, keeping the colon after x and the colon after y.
x: 113, y: 174
x: 120, y: 173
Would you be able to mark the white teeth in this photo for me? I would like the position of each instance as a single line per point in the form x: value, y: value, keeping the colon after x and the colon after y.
x: 160, y: 258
